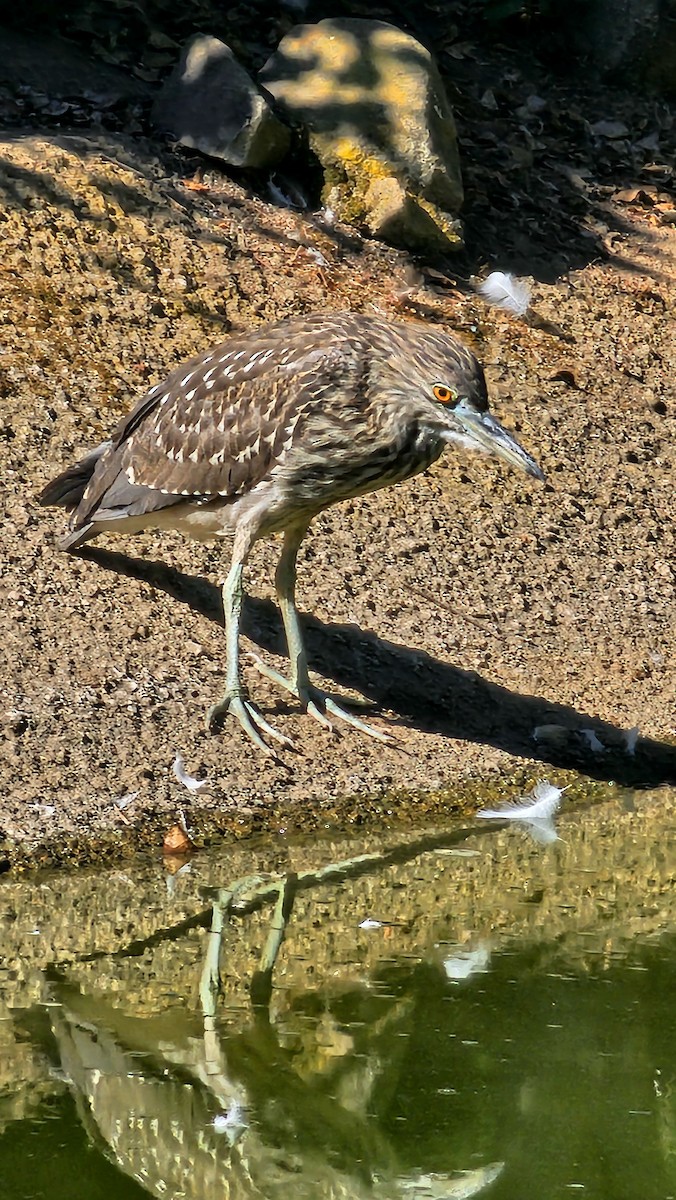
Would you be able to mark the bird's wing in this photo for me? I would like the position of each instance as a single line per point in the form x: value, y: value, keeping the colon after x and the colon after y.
x: 219, y: 424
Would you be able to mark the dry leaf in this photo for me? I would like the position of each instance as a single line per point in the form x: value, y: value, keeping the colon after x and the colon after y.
x: 176, y: 842
x: 610, y: 129
x: 635, y: 195
x: 195, y: 185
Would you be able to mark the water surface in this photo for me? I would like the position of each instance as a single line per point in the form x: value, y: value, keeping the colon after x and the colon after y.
x: 462, y: 1012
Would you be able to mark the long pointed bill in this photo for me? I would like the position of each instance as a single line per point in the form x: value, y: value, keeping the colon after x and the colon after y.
x: 483, y: 431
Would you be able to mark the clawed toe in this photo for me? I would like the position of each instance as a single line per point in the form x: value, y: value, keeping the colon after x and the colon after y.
x: 318, y: 712
x: 321, y: 705
x: 252, y: 722
x: 343, y: 714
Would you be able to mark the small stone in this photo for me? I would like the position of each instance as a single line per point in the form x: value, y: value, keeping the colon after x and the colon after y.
x: 610, y: 129
x: 211, y: 104
x: 488, y: 100
x: 176, y: 843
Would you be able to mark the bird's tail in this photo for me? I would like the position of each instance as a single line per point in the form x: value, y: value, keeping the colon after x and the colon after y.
x: 67, y: 490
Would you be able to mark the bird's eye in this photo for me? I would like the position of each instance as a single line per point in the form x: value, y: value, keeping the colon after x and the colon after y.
x: 443, y: 394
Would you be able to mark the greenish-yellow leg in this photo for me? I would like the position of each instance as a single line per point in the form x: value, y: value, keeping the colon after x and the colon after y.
x: 233, y: 700
x: 319, y: 704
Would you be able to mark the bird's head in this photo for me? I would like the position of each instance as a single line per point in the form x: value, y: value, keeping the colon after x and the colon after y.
x: 446, y: 384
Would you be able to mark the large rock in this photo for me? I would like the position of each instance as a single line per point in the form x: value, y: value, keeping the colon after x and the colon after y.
x: 211, y: 104
x: 379, y: 121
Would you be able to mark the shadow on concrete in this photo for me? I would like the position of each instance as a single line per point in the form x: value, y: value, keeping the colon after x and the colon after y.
x: 424, y: 692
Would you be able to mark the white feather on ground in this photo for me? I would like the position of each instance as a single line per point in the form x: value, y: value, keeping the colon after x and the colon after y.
x: 630, y: 737
x: 507, y: 292
x: 123, y: 801
x: 595, y: 744
x: 540, y: 805
x: 199, y: 786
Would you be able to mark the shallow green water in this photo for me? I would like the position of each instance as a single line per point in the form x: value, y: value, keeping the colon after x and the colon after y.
x: 505, y: 1025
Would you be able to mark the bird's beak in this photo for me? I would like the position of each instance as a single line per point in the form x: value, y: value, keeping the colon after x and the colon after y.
x: 483, y: 431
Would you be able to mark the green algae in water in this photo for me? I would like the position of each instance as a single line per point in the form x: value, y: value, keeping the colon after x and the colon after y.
x: 485, y: 1016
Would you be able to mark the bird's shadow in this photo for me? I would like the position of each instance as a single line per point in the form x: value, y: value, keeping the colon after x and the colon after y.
x: 425, y: 693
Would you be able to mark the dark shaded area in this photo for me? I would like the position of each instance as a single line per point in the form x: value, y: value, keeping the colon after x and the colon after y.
x: 427, y: 694
x: 538, y: 176
x: 601, y: 34
x: 64, y: 1156
x: 569, y: 1044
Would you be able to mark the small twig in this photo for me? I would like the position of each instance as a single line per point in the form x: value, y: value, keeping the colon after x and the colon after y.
x: 451, y: 608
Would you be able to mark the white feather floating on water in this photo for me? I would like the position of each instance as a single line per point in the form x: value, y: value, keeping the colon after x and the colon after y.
x: 543, y: 831
x: 506, y: 291
x: 468, y: 962
x: 233, y: 1123
x: 540, y: 805
x: 535, y: 815
x: 199, y: 786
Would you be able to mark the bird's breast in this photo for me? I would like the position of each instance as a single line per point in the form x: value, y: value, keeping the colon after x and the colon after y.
x: 330, y: 466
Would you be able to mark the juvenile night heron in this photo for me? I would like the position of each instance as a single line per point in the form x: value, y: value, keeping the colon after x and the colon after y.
x: 260, y: 434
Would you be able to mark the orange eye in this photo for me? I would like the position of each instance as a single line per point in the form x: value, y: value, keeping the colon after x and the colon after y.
x: 444, y: 395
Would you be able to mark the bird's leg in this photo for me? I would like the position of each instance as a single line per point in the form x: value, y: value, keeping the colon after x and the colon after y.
x: 319, y: 704
x: 233, y: 699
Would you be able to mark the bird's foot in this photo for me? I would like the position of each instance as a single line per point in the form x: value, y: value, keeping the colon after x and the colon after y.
x: 252, y: 722
x: 322, y: 705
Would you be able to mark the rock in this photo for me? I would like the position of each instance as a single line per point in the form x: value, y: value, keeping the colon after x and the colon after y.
x: 211, y: 104
x: 378, y: 119
x: 402, y: 219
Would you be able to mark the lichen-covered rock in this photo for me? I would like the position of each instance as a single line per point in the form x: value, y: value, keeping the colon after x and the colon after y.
x: 379, y: 121
x: 211, y: 104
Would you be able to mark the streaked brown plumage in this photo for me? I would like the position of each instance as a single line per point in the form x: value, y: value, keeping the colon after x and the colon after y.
x: 263, y: 432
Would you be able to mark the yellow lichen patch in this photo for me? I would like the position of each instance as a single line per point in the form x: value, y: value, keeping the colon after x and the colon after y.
x: 346, y: 152
x: 446, y: 223
x: 374, y: 105
x: 367, y: 191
